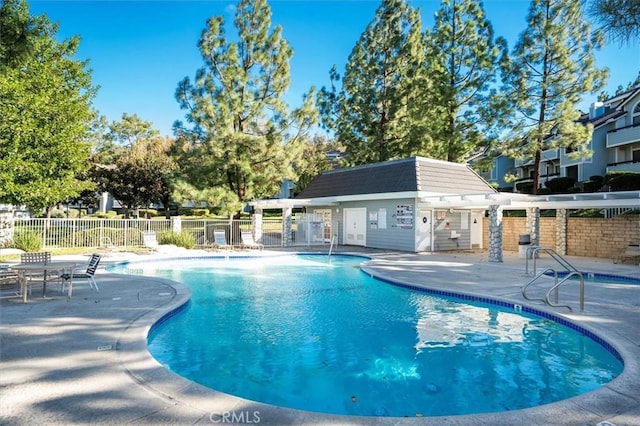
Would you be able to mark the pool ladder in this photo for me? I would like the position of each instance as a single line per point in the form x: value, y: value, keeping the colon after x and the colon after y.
x: 333, y: 237
x: 532, y: 253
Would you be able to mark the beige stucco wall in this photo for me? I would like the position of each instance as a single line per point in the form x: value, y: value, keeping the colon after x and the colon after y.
x: 587, y: 237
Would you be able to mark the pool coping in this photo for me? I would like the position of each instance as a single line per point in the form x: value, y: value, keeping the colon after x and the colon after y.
x: 608, y: 402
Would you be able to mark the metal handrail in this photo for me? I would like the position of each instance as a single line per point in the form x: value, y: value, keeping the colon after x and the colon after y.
x: 555, y: 287
x: 541, y: 274
x: 533, y: 251
x: 331, y: 245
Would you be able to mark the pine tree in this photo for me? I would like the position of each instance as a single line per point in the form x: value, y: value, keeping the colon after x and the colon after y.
x: 620, y: 19
x: 243, y: 139
x: 463, y: 63
x: 380, y: 111
x: 551, y: 66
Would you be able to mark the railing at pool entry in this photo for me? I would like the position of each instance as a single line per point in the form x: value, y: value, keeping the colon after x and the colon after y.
x: 533, y: 252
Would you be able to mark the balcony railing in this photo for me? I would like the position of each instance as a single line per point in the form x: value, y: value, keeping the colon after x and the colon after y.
x: 624, y: 166
x: 623, y: 135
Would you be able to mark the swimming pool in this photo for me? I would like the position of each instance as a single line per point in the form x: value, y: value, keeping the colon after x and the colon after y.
x: 596, y: 277
x: 317, y: 334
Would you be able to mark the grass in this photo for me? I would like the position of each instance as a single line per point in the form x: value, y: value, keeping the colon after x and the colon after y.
x: 74, y: 251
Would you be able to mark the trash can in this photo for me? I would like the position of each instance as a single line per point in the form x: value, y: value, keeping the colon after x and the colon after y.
x: 524, y: 241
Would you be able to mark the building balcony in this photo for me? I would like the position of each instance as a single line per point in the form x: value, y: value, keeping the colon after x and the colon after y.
x: 623, y: 136
x: 547, y: 155
x: 624, y: 166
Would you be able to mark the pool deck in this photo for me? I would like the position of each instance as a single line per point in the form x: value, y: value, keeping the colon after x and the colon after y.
x: 84, y: 360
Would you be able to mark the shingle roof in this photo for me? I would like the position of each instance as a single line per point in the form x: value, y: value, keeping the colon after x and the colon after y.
x: 407, y: 175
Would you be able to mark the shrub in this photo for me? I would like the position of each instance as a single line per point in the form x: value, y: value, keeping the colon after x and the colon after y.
x: 29, y: 241
x: 107, y: 215
x: 183, y: 239
x: 148, y: 213
x: 200, y: 212
x: 58, y: 214
x: 560, y: 185
x: 627, y: 181
x: 525, y: 187
x: 100, y: 236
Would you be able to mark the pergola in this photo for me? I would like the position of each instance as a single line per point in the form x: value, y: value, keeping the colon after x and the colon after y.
x: 495, y: 203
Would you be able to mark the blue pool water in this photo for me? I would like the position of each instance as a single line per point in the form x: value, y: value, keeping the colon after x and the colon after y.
x: 597, y: 277
x: 317, y: 334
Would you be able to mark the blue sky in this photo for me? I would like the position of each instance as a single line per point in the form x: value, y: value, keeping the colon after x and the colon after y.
x: 140, y: 50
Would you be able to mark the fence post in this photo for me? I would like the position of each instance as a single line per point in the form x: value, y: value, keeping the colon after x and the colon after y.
x: 6, y: 224
x: 176, y: 224
x: 257, y: 225
x: 286, y: 224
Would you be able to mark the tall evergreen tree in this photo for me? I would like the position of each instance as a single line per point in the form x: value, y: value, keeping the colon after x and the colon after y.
x: 551, y: 66
x: 380, y: 111
x: 243, y: 139
x: 620, y: 19
x: 18, y: 32
x: 463, y: 61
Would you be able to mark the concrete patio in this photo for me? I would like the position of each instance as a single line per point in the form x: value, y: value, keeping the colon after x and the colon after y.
x: 84, y: 360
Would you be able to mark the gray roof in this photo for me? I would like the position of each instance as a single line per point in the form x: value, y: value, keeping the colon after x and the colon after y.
x: 415, y: 174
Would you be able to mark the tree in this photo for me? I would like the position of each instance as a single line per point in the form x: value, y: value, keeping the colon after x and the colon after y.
x: 381, y: 111
x: 243, y: 139
x: 551, y: 66
x: 45, y: 101
x: 620, y: 19
x: 463, y: 64
x: 18, y: 32
x: 314, y: 161
x: 134, y: 164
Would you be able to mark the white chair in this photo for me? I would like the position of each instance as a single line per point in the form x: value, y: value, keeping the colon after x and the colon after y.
x: 88, y: 274
x: 248, y: 241
x: 220, y: 240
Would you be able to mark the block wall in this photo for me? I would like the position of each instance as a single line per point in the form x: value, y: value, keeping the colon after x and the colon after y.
x: 587, y: 237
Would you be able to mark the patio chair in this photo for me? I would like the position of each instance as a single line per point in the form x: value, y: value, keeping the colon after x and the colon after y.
x: 88, y: 274
x: 220, y: 240
x: 38, y: 278
x: 9, y: 283
x: 248, y: 241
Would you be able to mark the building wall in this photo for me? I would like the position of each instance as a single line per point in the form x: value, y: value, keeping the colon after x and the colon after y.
x: 395, y: 233
x: 456, y: 221
x: 586, y: 237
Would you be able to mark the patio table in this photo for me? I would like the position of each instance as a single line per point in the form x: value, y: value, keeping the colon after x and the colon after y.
x: 24, y: 268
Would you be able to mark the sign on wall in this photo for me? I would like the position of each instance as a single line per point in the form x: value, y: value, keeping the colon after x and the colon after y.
x: 404, y: 216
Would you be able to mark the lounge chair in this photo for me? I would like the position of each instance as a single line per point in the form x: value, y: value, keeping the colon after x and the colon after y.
x: 150, y: 240
x: 632, y: 252
x: 220, y: 240
x: 88, y: 274
x: 248, y: 241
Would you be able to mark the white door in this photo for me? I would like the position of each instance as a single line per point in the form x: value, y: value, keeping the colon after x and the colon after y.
x: 325, y: 216
x: 476, y: 228
x: 355, y: 226
x: 423, y: 231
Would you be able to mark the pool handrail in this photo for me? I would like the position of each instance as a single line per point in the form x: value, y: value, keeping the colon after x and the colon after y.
x: 532, y: 252
x: 541, y: 274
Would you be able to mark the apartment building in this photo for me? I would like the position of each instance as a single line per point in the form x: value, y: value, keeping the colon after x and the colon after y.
x: 614, y: 146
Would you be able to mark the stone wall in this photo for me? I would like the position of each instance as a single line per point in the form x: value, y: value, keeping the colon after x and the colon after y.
x: 587, y: 237
x: 6, y: 224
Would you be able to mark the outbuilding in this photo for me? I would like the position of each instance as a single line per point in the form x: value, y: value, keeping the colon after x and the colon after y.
x: 383, y: 205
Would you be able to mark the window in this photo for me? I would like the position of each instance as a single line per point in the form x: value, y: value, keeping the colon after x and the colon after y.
x: 635, y: 155
x: 636, y: 115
